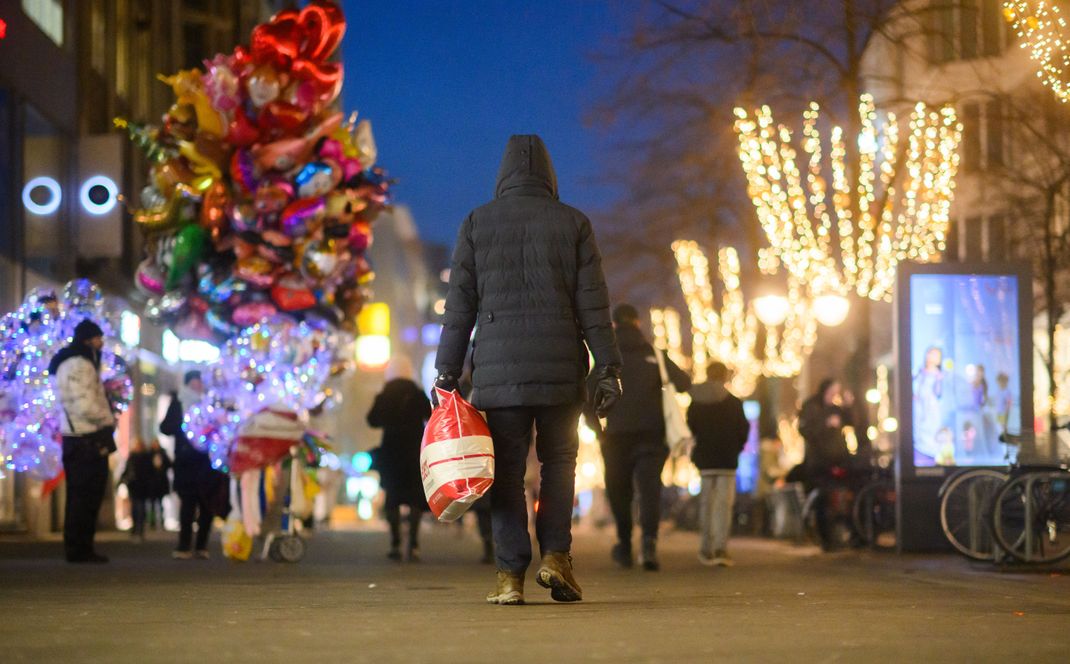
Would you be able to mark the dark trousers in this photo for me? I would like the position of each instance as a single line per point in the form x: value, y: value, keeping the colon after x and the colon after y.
x: 392, y: 509
x: 634, y: 461
x: 138, y: 510
x: 556, y: 443
x: 86, y: 468
x: 197, y: 507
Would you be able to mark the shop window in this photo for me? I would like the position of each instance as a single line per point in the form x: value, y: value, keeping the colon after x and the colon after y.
x: 994, y: 133
x: 973, y: 230
x: 965, y: 29
x: 194, y: 44
x: 951, y: 250
x: 968, y: 47
x: 971, y: 138
x: 992, y: 28
x: 998, y: 249
x: 942, y: 32
x: 48, y: 15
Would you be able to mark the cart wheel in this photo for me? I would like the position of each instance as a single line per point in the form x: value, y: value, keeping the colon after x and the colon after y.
x: 273, y: 550
x: 290, y: 549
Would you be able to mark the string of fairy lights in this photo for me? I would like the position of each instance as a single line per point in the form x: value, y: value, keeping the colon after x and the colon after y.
x: 730, y: 332
x: 1042, y: 31
x: 848, y: 237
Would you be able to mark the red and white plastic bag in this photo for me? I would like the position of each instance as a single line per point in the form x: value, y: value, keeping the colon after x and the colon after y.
x: 456, y: 457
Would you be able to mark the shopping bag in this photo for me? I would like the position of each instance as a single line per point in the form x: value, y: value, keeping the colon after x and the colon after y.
x: 678, y: 436
x: 456, y: 457
x: 237, y: 545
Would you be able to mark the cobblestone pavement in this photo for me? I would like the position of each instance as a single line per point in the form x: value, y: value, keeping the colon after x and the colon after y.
x: 345, y: 602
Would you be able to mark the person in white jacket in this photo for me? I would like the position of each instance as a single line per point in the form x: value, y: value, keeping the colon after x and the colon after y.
x: 88, y: 427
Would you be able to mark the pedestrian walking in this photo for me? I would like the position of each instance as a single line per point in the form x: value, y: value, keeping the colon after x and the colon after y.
x: 827, y: 462
x: 201, y: 489
x: 527, y: 275
x: 720, y: 428
x: 633, y: 439
x: 401, y: 411
x: 139, y: 477
x: 87, y: 425
x: 161, y: 484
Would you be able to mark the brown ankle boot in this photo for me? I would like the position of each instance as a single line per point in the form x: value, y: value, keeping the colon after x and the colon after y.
x: 509, y: 591
x: 556, y: 574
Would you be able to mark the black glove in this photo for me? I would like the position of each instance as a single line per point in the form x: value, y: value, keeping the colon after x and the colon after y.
x: 607, y: 390
x: 445, y: 382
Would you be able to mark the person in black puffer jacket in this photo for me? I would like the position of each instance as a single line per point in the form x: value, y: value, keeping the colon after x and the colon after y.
x: 633, y: 443
x: 720, y: 428
x: 527, y: 275
x: 202, y: 490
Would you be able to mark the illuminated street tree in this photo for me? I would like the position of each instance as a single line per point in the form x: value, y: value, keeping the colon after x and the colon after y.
x: 750, y: 341
x: 1042, y: 31
x: 842, y: 230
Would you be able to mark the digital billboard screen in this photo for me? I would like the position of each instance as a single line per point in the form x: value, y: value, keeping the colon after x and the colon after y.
x: 965, y: 367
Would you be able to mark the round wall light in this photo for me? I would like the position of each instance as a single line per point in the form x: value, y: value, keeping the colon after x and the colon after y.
x: 98, y: 195
x: 42, y: 195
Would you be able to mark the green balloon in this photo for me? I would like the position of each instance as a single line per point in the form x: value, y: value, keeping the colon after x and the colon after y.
x: 189, y: 249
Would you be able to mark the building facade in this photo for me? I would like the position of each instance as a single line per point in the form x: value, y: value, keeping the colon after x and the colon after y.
x: 67, y: 68
x: 1012, y: 196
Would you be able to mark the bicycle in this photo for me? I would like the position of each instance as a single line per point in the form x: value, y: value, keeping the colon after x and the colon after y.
x: 965, y: 511
x: 1030, y: 513
x: 873, y: 511
x: 839, y: 498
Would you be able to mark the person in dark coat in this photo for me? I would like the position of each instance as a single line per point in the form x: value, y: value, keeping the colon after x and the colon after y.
x: 633, y: 441
x: 527, y: 275
x: 161, y: 483
x: 138, y: 476
x: 87, y: 424
x: 827, y: 461
x: 200, y: 488
x: 401, y: 411
x: 721, y: 429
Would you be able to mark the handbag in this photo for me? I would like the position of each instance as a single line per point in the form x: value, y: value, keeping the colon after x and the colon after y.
x: 678, y: 436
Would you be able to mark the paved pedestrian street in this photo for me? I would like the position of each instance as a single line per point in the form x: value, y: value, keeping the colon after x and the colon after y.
x: 345, y: 602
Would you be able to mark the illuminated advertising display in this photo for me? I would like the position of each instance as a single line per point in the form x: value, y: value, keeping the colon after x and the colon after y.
x: 964, y: 365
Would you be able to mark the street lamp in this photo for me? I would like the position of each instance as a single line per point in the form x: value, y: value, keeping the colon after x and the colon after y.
x: 831, y: 309
x: 771, y: 309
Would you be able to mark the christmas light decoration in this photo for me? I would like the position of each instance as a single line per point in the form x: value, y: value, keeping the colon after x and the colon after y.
x: 279, y: 364
x: 666, y: 325
x: 730, y: 333
x: 1042, y: 30
x: 849, y: 236
x: 30, y: 440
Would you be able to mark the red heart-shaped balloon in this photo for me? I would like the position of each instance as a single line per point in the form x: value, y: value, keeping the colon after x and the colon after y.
x: 278, y: 41
x: 322, y: 26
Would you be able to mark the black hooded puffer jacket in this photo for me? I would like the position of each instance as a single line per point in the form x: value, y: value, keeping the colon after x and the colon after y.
x: 526, y: 273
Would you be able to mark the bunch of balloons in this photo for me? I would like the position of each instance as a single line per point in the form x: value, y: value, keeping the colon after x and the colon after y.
x: 278, y: 364
x: 30, y: 440
x: 261, y: 198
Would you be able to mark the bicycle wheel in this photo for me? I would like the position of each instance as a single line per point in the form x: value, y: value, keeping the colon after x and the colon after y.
x: 873, y: 514
x: 965, y: 510
x: 1031, y: 517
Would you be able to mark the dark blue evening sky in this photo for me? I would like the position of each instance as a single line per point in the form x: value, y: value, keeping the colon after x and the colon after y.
x: 445, y: 83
